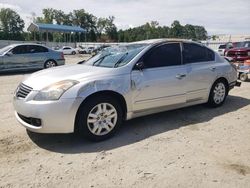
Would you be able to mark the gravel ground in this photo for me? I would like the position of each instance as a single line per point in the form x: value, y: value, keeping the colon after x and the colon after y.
x: 190, y: 147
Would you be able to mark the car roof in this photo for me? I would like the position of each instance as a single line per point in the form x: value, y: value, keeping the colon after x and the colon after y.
x: 22, y: 44
x: 155, y: 41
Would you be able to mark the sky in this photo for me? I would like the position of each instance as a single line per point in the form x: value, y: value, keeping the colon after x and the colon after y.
x: 217, y: 16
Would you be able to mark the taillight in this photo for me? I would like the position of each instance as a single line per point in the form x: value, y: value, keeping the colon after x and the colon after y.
x: 62, y: 55
x: 233, y: 65
x: 230, y: 61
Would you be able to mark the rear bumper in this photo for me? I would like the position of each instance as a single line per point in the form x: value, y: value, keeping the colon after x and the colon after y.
x: 60, y: 62
x: 234, y: 84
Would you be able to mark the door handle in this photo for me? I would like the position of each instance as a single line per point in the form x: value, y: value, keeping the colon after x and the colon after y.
x: 180, y: 76
x: 212, y: 68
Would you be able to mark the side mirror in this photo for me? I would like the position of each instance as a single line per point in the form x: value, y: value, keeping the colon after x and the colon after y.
x: 81, y: 62
x: 139, y: 66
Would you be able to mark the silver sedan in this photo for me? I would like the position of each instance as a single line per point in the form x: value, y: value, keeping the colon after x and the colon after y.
x: 29, y: 56
x: 122, y: 83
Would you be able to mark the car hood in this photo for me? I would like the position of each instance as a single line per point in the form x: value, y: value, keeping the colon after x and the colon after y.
x: 239, y: 49
x: 44, y: 78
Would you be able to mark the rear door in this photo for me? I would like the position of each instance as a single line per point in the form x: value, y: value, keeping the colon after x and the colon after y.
x: 201, y: 71
x: 37, y: 56
x: 162, y: 81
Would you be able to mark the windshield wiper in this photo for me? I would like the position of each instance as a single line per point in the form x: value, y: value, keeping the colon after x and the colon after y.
x: 99, y: 60
x: 120, y: 60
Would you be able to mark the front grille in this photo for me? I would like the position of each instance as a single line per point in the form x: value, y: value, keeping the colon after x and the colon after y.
x: 236, y: 53
x: 23, y: 91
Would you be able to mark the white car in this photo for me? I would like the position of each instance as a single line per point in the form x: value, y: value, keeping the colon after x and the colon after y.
x: 224, y: 47
x: 68, y: 50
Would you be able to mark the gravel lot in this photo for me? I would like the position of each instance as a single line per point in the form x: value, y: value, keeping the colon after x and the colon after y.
x: 191, y: 147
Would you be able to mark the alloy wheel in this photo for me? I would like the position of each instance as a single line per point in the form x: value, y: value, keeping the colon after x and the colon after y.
x: 219, y: 93
x: 102, y: 119
x: 50, y: 64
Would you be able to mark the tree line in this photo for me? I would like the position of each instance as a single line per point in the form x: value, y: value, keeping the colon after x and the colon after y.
x: 97, y: 29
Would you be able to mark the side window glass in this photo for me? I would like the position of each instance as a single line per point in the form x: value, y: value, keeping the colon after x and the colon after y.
x: 194, y: 53
x: 20, y: 50
x: 37, y: 49
x: 32, y: 49
x: 164, y: 55
x: 43, y: 49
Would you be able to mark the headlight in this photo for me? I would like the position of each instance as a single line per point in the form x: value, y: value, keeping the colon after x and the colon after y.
x: 54, y: 91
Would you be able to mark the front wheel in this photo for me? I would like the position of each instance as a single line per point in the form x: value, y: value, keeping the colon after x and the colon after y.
x: 218, y: 94
x: 73, y: 53
x: 99, y: 118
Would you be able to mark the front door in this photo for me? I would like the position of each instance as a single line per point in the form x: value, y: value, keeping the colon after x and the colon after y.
x: 17, y: 58
x: 162, y: 81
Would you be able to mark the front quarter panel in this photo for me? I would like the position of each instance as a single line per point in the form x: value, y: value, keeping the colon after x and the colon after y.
x: 119, y: 84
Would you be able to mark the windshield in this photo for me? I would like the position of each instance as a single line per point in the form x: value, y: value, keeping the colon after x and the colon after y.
x: 242, y: 44
x: 5, y: 49
x: 222, y: 46
x: 118, y: 56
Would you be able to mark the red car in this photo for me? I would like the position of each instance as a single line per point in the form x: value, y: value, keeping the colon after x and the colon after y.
x: 240, y: 53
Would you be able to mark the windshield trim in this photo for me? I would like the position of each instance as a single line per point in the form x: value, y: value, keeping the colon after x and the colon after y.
x: 6, y: 49
x: 116, y: 56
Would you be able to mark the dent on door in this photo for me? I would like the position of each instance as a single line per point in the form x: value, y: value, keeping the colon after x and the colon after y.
x: 159, y: 87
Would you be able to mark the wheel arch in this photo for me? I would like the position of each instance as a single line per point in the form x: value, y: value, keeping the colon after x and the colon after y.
x: 114, y: 94
x: 224, y: 80
x: 217, y: 79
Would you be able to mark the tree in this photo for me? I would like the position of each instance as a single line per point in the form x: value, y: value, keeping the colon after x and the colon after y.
x: 48, y: 15
x: 189, y: 31
x: 176, y: 30
x: 200, y: 33
x: 85, y: 20
x: 105, y: 27
x: 11, y: 24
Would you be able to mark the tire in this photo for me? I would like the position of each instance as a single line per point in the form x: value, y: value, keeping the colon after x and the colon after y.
x: 95, y: 124
x: 50, y: 64
x: 218, y: 93
x: 243, y: 77
x: 73, y: 53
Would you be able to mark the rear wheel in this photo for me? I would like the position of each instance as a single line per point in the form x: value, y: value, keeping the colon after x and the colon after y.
x: 218, y: 93
x: 50, y: 64
x: 99, y: 118
x: 243, y: 77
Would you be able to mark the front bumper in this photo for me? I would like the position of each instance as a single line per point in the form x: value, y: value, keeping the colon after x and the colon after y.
x: 55, y: 116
